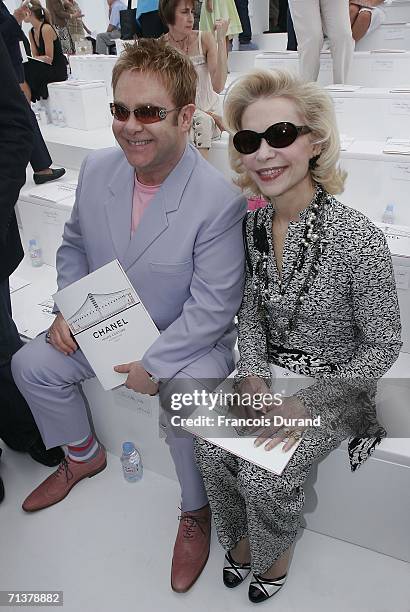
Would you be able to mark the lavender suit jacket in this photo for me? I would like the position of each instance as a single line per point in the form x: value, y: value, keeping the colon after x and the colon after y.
x: 185, y: 260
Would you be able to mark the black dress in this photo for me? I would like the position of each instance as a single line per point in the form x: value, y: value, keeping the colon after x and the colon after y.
x: 39, y: 74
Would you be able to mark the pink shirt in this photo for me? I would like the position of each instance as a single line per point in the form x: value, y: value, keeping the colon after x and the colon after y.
x: 143, y: 195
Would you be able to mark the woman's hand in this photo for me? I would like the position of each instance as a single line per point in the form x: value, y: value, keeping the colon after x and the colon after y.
x: 291, y: 408
x: 209, y: 5
x: 221, y: 27
x: 218, y: 121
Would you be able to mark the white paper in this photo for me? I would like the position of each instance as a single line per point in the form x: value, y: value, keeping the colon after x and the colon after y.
x: 54, y: 191
x: 38, y: 319
x: 17, y: 282
x: 389, y: 51
x: 342, y: 87
x: 400, y: 107
x: 400, y: 146
x: 108, y: 321
x: 402, y: 277
x: 36, y: 59
x: 394, y: 33
x: 274, y: 460
x: 400, y: 172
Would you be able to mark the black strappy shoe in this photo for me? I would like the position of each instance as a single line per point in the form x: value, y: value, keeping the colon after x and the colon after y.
x: 261, y: 589
x: 234, y: 573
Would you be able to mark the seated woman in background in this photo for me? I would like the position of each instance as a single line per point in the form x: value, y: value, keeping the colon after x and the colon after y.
x: 59, y: 16
x: 209, y: 58
x: 46, y: 47
x: 320, y: 301
x: 366, y: 16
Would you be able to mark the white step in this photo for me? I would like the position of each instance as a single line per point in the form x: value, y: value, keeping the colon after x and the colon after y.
x: 271, y: 42
x: 109, y: 544
x: 398, y: 11
x: 372, y: 113
x: 69, y: 147
x: 386, y: 36
x: 369, y: 69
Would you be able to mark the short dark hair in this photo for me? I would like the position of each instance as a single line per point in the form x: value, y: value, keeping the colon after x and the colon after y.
x: 167, y: 10
x: 155, y: 56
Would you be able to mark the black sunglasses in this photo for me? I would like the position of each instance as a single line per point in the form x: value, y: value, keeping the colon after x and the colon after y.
x: 145, y: 114
x: 279, y: 136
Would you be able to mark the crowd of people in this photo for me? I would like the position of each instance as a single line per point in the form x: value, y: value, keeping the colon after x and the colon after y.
x: 310, y: 279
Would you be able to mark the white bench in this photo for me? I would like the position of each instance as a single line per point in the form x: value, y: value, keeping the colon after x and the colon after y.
x: 372, y: 113
x: 369, y: 69
x: 387, y: 36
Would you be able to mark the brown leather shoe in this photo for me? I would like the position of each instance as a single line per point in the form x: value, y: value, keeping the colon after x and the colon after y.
x: 57, y: 486
x: 191, y: 548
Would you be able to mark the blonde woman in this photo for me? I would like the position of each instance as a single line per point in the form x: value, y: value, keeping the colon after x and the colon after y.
x: 319, y: 301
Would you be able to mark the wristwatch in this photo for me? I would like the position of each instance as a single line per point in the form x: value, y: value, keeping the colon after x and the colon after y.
x: 153, y: 378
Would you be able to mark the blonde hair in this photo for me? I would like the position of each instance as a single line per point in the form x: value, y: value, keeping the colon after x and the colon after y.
x: 156, y: 57
x: 312, y: 102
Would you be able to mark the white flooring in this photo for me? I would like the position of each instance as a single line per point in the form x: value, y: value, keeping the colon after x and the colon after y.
x: 108, y: 546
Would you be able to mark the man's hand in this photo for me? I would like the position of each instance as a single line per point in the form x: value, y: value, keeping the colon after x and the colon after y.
x: 59, y: 336
x: 19, y: 14
x: 138, y: 378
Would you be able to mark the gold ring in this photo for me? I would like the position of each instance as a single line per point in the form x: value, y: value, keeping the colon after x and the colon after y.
x: 286, y: 431
x: 296, y: 435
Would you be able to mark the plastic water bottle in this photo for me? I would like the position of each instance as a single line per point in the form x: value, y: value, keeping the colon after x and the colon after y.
x: 34, y: 250
x: 131, y: 462
x: 388, y: 215
x: 43, y: 116
x: 61, y: 119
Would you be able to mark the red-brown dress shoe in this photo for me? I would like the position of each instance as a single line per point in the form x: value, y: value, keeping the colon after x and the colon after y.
x: 57, y: 486
x: 191, y: 548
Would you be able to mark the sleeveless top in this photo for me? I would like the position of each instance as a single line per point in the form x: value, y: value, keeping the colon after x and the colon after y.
x: 58, y: 56
x: 206, y: 98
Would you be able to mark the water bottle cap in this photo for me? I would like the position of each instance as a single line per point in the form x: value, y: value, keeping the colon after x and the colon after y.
x: 390, y: 207
x: 32, y: 242
x: 128, y: 447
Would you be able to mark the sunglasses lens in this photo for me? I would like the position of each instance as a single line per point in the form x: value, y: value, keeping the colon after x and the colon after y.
x: 246, y: 142
x: 149, y: 114
x: 119, y: 112
x: 281, y: 135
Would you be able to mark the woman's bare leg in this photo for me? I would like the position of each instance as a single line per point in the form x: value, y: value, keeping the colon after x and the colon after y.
x: 25, y: 88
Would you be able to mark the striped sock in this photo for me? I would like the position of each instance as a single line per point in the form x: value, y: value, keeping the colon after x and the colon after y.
x: 83, y: 450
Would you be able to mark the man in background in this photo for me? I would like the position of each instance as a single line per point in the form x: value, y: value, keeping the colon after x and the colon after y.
x: 106, y: 39
x: 17, y: 427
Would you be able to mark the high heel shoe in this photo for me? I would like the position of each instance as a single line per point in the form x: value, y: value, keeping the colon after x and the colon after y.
x: 234, y: 573
x: 261, y: 589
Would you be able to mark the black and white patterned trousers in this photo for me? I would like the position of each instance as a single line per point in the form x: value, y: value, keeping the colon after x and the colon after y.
x: 249, y: 501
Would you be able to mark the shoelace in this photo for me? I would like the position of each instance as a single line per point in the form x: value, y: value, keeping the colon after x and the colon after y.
x: 64, y: 466
x: 190, y: 524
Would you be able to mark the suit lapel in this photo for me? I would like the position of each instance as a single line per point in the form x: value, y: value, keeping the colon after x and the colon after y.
x: 118, y: 207
x: 155, y: 218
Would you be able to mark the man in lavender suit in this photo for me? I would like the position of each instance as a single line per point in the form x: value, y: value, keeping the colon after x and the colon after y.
x: 174, y: 224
